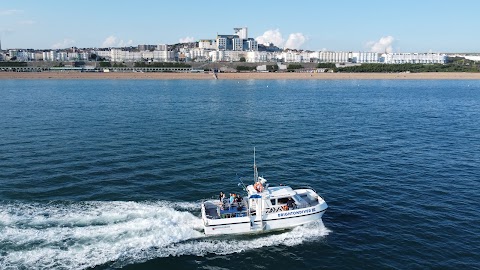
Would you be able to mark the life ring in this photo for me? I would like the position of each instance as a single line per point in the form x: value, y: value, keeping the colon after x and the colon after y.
x: 258, y: 187
x: 285, y: 208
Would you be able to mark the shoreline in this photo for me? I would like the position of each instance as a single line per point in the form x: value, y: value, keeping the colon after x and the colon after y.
x: 238, y: 76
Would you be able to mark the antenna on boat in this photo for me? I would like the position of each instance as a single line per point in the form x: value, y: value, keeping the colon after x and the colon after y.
x: 255, y: 171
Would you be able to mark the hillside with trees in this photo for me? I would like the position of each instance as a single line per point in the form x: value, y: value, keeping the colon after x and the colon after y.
x: 413, y: 68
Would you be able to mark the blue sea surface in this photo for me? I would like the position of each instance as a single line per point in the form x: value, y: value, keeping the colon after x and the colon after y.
x: 110, y: 173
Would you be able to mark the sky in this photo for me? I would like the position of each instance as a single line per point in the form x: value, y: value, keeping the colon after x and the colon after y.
x: 341, y: 25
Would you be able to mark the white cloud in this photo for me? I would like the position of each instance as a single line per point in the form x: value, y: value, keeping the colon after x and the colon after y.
x: 383, y: 45
x: 186, y: 40
x: 112, y: 41
x: 27, y: 22
x: 271, y: 36
x: 66, y: 43
x: 109, y: 41
x: 122, y: 43
x: 295, y: 41
x: 8, y: 12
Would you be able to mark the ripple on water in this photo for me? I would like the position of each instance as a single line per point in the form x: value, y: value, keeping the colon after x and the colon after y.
x: 397, y: 161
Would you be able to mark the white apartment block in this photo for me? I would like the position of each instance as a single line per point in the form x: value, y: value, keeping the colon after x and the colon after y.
x: 294, y: 57
x: 365, y: 57
x: 55, y: 56
x: 241, y: 32
x: 198, y: 54
x: 208, y: 44
x: 12, y: 53
x: 414, y: 58
x: 226, y: 56
x: 252, y: 45
x: 216, y: 56
x: 148, y: 55
x: 472, y: 57
x: 162, y: 47
x: 238, y: 44
x: 25, y: 56
x: 256, y: 57
x: 331, y: 57
x: 290, y: 57
x: 163, y: 56
x: 221, y: 43
x: 119, y: 55
x: 62, y: 56
x: 233, y: 56
x: 48, y: 56
x: 103, y: 54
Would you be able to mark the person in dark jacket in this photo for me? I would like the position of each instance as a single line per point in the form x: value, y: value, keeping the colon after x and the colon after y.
x: 290, y: 203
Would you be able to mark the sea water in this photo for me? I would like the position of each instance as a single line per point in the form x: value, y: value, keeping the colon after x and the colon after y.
x: 110, y: 174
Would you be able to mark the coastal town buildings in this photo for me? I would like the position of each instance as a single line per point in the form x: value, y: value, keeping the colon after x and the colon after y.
x: 414, y: 58
x: 235, y: 47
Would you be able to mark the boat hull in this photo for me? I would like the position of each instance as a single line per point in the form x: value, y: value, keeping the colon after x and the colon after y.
x: 293, y: 218
x: 269, y: 222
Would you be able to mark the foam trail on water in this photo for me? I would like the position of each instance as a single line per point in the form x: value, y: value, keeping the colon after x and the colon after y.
x: 221, y: 246
x: 80, y: 235
x: 204, y: 246
x: 87, y: 234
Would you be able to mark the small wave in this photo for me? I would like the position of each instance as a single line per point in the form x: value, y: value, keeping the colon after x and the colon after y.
x: 87, y: 234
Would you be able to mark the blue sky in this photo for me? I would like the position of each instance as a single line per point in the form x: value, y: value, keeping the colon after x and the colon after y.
x: 342, y: 25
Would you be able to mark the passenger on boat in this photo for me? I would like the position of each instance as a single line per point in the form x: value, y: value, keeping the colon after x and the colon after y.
x: 291, y: 203
x: 231, y: 200
x: 239, y: 200
x: 221, y: 196
x: 258, y: 187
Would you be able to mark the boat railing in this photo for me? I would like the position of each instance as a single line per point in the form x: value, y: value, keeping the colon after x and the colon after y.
x: 302, y: 205
x: 306, y: 187
x: 309, y: 187
x: 232, y: 210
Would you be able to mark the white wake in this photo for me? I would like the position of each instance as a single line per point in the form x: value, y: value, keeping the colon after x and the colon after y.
x: 87, y: 234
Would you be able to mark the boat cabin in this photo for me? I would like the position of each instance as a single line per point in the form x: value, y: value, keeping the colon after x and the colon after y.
x: 277, y: 199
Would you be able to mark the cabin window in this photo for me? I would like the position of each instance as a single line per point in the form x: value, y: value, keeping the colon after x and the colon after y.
x: 273, y: 202
x: 282, y: 200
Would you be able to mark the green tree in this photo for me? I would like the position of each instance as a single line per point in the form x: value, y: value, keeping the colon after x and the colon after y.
x: 162, y: 64
x: 326, y: 65
x: 292, y: 67
x: 12, y: 64
x: 395, y: 68
x: 105, y: 64
x: 245, y: 68
x: 272, y: 68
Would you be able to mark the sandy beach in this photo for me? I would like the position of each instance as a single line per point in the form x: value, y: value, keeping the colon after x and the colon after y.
x: 241, y: 76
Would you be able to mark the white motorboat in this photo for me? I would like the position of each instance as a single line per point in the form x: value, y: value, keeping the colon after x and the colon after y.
x: 264, y: 208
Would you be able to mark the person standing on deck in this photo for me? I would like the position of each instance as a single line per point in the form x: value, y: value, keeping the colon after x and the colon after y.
x: 232, y: 199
